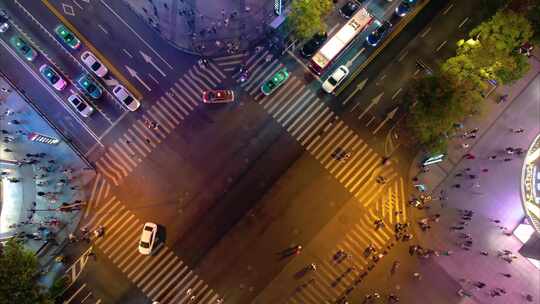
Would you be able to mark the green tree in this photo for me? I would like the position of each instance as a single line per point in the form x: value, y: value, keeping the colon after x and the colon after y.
x: 307, y: 17
x: 435, y: 104
x: 505, y: 32
x: 18, y: 276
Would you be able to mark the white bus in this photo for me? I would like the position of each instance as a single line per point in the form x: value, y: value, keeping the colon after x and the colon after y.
x: 335, y: 45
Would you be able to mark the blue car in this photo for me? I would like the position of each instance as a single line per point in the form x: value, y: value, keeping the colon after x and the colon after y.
x: 405, y: 7
x: 378, y: 34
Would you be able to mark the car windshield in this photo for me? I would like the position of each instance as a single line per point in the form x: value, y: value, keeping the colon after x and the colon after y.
x: 68, y: 37
x: 95, y: 66
x: 271, y: 84
x: 91, y: 88
x: 147, y: 228
x: 25, y: 49
x: 145, y: 244
x: 81, y: 106
x: 128, y: 100
x: 332, y: 81
x: 53, y: 78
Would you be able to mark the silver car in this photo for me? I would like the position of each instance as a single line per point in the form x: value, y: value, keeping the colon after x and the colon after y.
x: 81, y: 105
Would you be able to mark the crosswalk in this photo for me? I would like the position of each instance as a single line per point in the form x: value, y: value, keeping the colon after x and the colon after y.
x: 334, y: 280
x: 321, y: 132
x: 139, y: 140
x: 162, y: 277
x: 230, y: 62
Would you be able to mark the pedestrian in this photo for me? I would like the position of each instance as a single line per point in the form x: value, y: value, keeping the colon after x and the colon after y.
x: 507, y: 159
x: 485, y: 170
x: 509, y: 150
x: 472, y: 176
x: 518, y: 130
x: 484, y: 253
x: 465, y: 145
x: 417, y: 276
x: 469, y: 156
x: 457, y: 186
x: 507, y: 275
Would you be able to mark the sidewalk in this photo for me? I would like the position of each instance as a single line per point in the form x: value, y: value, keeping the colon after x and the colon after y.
x: 493, y: 192
x: 36, y: 179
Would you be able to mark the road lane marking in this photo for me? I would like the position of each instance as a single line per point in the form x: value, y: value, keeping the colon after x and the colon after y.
x: 153, y: 78
x: 440, y: 46
x: 403, y: 55
x: 425, y: 32
x: 127, y: 53
x: 103, y: 29
x: 396, y: 93
x: 77, y: 4
x: 463, y: 22
x: 448, y: 9
x: 112, y: 68
x: 135, y: 33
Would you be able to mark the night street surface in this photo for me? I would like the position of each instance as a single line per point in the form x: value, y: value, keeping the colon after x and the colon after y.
x: 229, y: 185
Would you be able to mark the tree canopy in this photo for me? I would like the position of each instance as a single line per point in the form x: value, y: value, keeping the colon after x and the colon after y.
x: 18, y: 276
x: 435, y: 104
x: 307, y: 17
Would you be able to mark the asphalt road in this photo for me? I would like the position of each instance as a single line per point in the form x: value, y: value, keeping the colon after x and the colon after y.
x: 205, y: 166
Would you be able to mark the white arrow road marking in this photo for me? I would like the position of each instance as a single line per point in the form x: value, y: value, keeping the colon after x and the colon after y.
x: 360, y: 86
x: 135, y: 75
x: 348, y: 64
x: 374, y: 101
x: 386, y: 119
x: 149, y: 60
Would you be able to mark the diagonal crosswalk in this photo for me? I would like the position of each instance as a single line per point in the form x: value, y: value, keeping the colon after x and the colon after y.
x: 162, y: 277
x: 321, y: 132
x: 139, y: 140
x: 333, y: 280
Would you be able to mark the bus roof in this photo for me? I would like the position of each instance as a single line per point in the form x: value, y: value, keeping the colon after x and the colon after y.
x: 342, y: 38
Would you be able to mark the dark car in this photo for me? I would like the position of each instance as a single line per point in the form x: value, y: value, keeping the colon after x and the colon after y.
x: 348, y: 10
x: 378, y: 34
x: 313, y: 44
x: 405, y: 7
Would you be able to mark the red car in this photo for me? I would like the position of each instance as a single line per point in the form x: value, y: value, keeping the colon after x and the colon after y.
x: 218, y: 96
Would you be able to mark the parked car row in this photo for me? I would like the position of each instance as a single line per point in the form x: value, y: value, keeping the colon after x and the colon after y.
x: 85, y: 81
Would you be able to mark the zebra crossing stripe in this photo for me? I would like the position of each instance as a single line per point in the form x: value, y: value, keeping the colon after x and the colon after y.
x: 171, y: 281
x: 167, y: 114
x: 182, y: 101
x: 127, y: 160
x: 168, y: 106
x: 311, y: 124
x: 339, y: 144
x: 201, y: 75
x: 366, y: 167
x: 124, y: 146
x: 93, y: 195
x: 136, y: 138
x: 354, y: 154
x: 217, y: 71
x: 283, y: 96
x: 106, y: 207
x: 145, y: 133
x: 310, y: 115
x: 298, y: 103
x: 117, y: 161
x: 107, y: 247
x: 145, y: 264
x: 355, y: 160
x: 167, y: 269
x: 328, y: 147
x: 157, y: 132
x: 196, y: 79
x: 305, y: 99
x: 180, y: 84
x: 103, y: 168
x: 278, y: 95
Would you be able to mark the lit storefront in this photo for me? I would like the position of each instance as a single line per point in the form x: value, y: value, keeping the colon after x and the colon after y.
x: 528, y: 232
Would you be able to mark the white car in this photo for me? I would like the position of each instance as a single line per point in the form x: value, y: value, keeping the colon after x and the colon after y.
x: 94, y: 64
x: 80, y: 105
x: 148, y: 238
x: 335, y: 79
x: 126, y: 98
